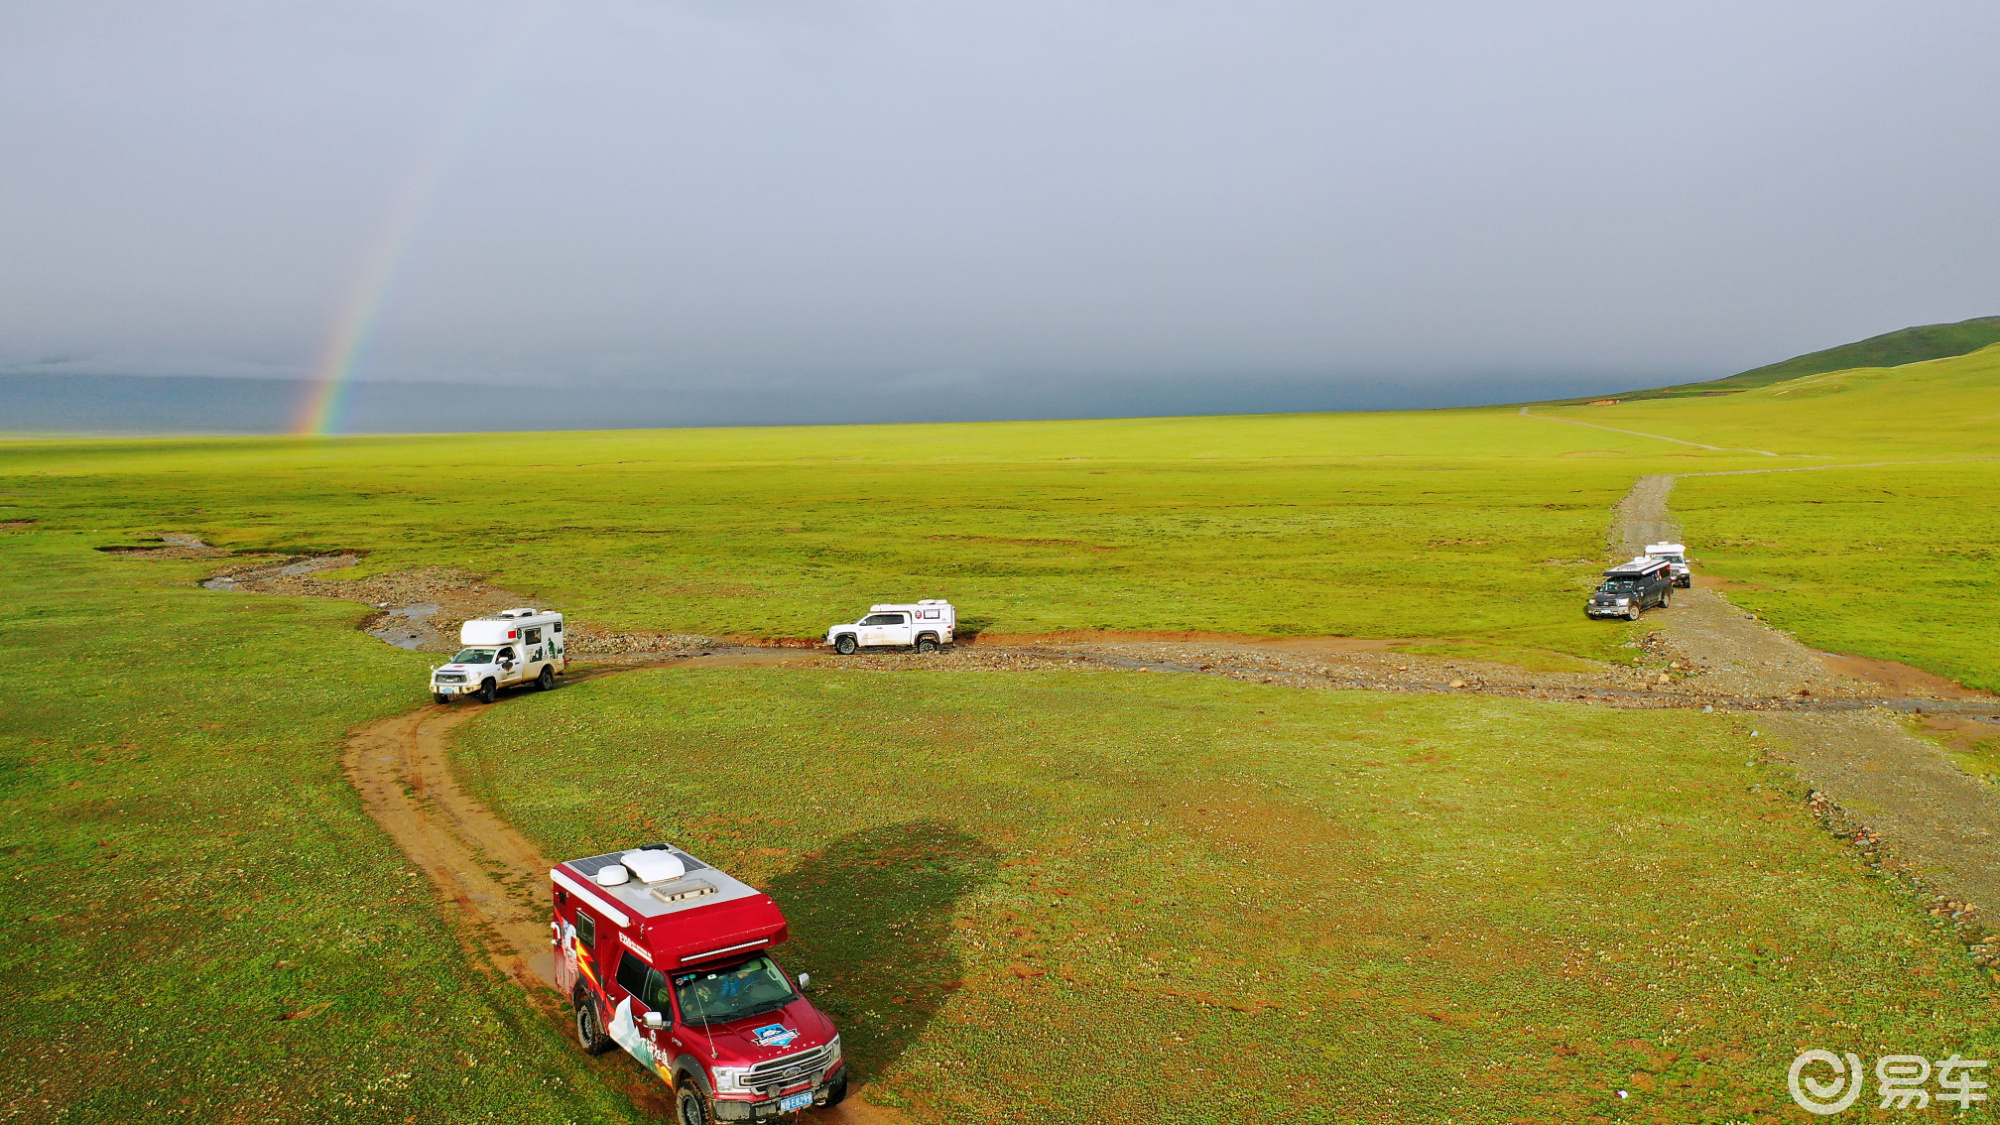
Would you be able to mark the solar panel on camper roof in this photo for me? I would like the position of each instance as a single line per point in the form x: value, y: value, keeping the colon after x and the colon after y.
x: 591, y: 866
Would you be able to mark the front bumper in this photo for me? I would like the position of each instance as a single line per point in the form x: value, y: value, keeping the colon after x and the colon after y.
x: 768, y: 1109
x: 1596, y: 610
x: 453, y: 689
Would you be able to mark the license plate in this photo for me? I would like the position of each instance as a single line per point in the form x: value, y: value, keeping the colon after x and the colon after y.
x: 796, y: 1101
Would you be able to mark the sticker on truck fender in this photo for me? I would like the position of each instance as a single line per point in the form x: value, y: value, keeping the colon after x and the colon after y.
x: 774, y: 1035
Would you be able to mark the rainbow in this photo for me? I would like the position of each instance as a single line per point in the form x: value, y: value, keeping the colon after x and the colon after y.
x: 325, y: 401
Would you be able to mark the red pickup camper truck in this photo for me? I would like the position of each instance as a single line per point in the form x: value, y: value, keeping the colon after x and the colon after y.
x: 670, y: 959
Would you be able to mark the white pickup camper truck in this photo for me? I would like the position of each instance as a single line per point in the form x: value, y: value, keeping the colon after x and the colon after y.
x: 923, y: 626
x: 508, y: 649
x: 1676, y: 556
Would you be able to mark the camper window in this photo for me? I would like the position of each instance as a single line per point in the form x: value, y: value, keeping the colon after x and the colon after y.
x: 586, y: 933
x: 632, y: 975
x: 557, y: 626
x: 534, y: 637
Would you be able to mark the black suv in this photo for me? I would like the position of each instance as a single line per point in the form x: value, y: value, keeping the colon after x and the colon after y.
x: 1630, y: 587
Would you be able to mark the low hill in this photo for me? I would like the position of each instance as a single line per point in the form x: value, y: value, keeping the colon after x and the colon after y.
x: 1890, y: 349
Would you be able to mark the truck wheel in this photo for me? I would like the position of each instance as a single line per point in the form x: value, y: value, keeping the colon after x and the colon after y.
x: 845, y: 645
x: 926, y: 644
x: 441, y: 698
x: 488, y: 691
x: 1635, y: 610
x: 1666, y: 597
x: 589, y: 1029
x: 838, y: 1093
x: 690, y: 1108
x: 547, y: 680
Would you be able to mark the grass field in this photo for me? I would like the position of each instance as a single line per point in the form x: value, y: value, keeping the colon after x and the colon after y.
x: 1477, y: 525
x: 1939, y: 408
x: 1897, y: 565
x: 186, y: 864
x: 1890, y: 349
x: 1113, y: 896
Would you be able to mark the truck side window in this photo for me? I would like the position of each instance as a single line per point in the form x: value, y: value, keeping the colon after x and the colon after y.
x: 632, y: 975
x: 506, y: 654
x: 586, y: 933
x: 655, y: 996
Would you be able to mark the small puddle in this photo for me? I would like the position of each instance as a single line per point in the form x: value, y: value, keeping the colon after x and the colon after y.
x: 413, y: 631
x: 243, y: 579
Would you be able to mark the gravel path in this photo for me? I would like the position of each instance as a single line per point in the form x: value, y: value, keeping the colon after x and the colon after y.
x: 1940, y: 823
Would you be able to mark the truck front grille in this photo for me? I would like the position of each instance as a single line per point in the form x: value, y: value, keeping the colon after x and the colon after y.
x: 451, y: 677
x: 789, y: 1070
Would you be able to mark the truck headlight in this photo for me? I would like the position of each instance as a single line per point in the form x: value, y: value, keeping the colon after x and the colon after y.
x: 1624, y: 601
x: 729, y: 1080
x: 833, y: 1055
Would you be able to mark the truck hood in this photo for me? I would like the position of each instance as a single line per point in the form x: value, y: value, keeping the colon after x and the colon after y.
x: 738, y: 1043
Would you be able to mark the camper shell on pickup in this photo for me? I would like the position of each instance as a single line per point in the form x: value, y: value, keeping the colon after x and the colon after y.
x: 508, y: 649
x: 925, y: 626
x: 1675, y: 555
x: 669, y: 958
x: 1629, y: 588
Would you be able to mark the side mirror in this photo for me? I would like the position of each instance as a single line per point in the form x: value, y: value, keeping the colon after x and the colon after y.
x: 654, y: 1021
x: 805, y: 981
x: 507, y: 664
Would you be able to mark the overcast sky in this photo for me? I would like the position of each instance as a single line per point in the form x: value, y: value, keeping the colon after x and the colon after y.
x: 830, y: 195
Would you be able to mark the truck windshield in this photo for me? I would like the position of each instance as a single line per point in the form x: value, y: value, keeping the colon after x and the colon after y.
x: 1620, y: 585
x: 474, y: 656
x: 742, y: 990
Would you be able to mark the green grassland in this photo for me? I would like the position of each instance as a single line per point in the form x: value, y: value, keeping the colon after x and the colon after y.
x: 1890, y: 349
x: 1474, y: 525
x: 1113, y: 896
x: 186, y: 864
x: 1940, y: 408
x: 1899, y: 564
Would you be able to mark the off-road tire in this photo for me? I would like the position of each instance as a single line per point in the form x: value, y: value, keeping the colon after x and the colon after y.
x: 691, y: 1106
x: 547, y: 680
x: 838, y: 1093
x: 926, y: 644
x: 590, y: 1033
x: 488, y: 691
x: 845, y: 645
x: 440, y: 697
x: 1666, y: 597
x: 1634, y: 612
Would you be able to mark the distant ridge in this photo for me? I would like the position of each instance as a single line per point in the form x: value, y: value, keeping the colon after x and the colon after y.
x: 1890, y: 349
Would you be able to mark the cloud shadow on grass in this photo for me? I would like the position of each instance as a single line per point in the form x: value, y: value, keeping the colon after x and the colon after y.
x: 871, y: 920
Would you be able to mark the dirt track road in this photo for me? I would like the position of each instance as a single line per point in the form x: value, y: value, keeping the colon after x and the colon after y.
x: 495, y: 877
x: 1939, y: 822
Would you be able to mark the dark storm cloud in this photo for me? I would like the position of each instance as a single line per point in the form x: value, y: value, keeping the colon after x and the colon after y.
x: 1038, y: 205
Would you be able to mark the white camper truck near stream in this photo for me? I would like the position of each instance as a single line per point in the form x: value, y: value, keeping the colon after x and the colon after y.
x: 924, y: 626
x: 508, y: 649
